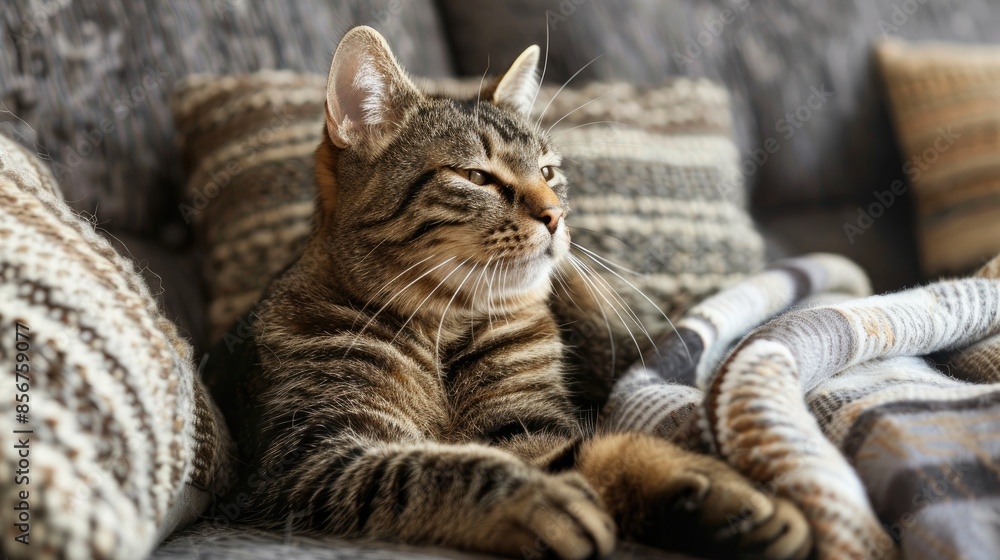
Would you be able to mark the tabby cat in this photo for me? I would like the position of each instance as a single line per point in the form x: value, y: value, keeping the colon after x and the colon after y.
x: 409, y: 379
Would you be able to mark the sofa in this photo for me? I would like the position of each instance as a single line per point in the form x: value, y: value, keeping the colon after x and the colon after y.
x: 87, y: 84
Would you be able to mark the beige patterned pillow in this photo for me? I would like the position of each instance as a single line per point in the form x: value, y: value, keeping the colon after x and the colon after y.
x: 945, y: 101
x: 653, y: 178
x: 248, y: 143
x: 107, y: 439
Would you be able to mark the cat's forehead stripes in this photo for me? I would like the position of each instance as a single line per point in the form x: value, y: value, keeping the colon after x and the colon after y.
x: 487, y: 144
x: 509, y: 140
x: 505, y: 126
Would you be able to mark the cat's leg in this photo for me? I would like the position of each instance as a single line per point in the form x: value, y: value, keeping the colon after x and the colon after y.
x: 654, y: 490
x: 666, y: 496
x: 469, y: 496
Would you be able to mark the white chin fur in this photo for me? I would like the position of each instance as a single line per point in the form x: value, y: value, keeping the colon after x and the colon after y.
x: 526, y: 277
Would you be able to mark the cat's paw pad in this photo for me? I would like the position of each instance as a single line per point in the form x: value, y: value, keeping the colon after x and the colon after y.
x: 730, y: 506
x: 742, y: 522
x: 703, y: 506
x: 554, y: 517
x: 785, y: 535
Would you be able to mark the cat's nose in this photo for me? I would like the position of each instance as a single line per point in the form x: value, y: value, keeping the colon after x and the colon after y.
x: 550, y: 217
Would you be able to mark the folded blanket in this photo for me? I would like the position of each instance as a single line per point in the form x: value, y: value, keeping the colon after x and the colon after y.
x: 833, y: 406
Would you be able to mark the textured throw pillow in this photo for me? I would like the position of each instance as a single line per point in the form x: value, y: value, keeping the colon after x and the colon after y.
x: 945, y: 103
x: 248, y: 144
x: 108, y: 439
x: 655, y: 188
x: 653, y: 174
x: 90, y: 80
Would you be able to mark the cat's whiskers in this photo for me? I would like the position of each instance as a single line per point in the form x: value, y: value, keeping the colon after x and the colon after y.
x: 605, y: 234
x: 503, y: 297
x: 427, y: 297
x: 590, y: 144
x: 561, y: 277
x: 378, y: 293
x: 479, y: 94
x: 362, y: 261
x: 489, y: 297
x: 473, y: 301
x: 561, y: 132
x: 595, y: 290
x: 545, y: 65
x: 562, y: 87
x: 444, y: 315
x: 598, y: 98
x: 597, y: 259
x: 394, y: 296
x: 625, y: 307
x: 503, y: 286
x: 594, y: 255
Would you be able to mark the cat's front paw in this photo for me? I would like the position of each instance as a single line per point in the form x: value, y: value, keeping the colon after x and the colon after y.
x: 709, y: 509
x: 674, y: 499
x: 553, y: 516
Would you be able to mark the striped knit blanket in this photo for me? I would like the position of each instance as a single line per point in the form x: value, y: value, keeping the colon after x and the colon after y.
x: 879, y: 416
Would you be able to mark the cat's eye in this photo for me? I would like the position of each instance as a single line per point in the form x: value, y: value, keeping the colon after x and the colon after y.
x: 548, y: 172
x: 478, y: 177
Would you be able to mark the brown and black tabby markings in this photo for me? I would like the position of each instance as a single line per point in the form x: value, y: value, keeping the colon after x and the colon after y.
x: 409, y: 381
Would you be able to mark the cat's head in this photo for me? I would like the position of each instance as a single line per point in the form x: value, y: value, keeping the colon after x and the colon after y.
x: 463, y: 192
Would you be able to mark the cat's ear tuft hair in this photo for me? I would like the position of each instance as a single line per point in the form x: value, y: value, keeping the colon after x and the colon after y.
x: 517, y: 87
x: 366, y: 89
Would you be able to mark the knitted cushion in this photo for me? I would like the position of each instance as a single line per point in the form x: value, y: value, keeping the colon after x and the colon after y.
x: 90, y: 80
x: 655, y: 187
x: 248, y: 144
x: 946, y: 107
x: 654, y: 183
x: 109, y: 442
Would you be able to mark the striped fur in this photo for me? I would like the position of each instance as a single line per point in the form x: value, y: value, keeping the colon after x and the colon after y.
x: 409, y: 381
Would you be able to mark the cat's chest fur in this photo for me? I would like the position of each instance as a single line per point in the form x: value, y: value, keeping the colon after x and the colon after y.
x: 328, y: 350
x: 305, y: 311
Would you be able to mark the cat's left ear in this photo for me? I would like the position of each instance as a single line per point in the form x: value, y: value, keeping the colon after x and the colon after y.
x: 367, y: 89
x: 517, y: 87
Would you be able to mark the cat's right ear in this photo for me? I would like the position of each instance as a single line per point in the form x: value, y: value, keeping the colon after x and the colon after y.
x: 367, y: 89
